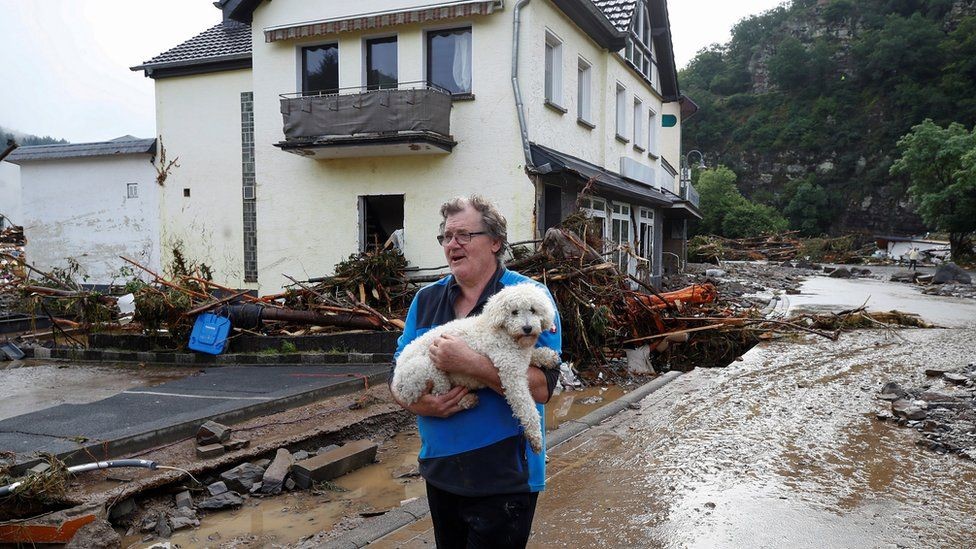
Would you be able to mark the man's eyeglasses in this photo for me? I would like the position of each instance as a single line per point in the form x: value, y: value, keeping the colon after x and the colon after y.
x: 461, y: 238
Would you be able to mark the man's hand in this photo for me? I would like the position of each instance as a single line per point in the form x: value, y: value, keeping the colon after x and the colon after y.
x: 453, y: 355
x: 445, y: 405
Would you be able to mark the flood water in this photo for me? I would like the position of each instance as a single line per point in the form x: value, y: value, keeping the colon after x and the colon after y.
x: 781, y: 449
x: 32, y: 385
x: 288, y: 518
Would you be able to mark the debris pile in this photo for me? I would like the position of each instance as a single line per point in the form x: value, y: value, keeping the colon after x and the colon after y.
x: 849, y: 249
x: 946, y: 417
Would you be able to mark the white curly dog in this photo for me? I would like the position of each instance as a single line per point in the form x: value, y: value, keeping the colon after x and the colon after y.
x: 506, y: 332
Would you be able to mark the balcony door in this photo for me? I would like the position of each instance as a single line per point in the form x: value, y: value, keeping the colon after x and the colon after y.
x: 320, y: 69
x: 381, y: 63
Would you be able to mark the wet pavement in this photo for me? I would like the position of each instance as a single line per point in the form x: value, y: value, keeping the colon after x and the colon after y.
x: 32, y: 385
x: 781, y: 449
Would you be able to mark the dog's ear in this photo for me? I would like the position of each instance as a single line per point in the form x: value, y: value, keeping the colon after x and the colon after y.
x: 548, y: 314
x: 496, y: 310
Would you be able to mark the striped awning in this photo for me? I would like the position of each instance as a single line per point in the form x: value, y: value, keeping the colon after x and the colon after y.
x: 453, y: 10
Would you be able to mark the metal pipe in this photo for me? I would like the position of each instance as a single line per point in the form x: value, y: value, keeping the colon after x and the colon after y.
x: 519, y: 107
x: 93, y: 466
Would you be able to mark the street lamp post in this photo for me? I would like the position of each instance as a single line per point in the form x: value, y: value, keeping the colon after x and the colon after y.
x: 686, y: 171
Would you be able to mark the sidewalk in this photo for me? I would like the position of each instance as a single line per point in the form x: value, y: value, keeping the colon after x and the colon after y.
x: 141, y: 418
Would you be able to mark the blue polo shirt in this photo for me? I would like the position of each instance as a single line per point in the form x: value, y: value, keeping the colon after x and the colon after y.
x: 481, y: 451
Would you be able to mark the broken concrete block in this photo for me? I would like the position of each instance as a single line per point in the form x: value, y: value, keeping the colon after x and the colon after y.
x: 236, y: 444
x: 217, y: 488
x: 212, y: 432
x: 39, y: 469
x: 122, y: 511
x: 335, y: 463
x: 274, y: 477
x: 178, y: 523
x: 301, y: 454
x: 262, y: 463
x: 290, y: 484
x: 209, y: 451
x: 184, y: 500
x: 227, y: 499
x: 98, y: 533
x: 241, y: 478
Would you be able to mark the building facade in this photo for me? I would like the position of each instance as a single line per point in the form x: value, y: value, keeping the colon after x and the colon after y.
x: 323, y: 127
x: 90, y: 203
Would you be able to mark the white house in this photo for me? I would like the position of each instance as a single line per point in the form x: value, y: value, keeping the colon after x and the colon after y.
x: 90, y: 202
x: 311, y: 129
x: 9, y: 194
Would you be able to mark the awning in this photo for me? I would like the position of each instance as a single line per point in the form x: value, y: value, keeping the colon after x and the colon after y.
x: 604, y: 179
x: 377, y: 20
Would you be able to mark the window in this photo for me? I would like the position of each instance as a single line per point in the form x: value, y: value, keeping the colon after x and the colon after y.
x: 621, y: 112
x: 449, y: 59
x: 381, y: 63
x: 186, y: 193
x: 132, y: 190
x: 554, y: 72
x: 380, y: 222
x: 596, y: 209
x: 320, y: 69
x: 583, y: 77
x: 639, y: 50
x: 638, y: 123
x: 620, y: 236
x: 652, y: 132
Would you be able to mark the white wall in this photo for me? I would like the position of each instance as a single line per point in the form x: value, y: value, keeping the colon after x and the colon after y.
x: 308, y: 209
x: 10, y: 192
x: 562, y: 132
x: 79, y: 208
x: 199, y: 119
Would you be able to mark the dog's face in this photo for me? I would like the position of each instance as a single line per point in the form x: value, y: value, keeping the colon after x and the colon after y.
x: 523, y: 312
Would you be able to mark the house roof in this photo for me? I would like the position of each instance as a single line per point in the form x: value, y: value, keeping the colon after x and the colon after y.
x: 619, y: 12
x: 124, y: 145
x: 224, y: 46
x: 603, y: 178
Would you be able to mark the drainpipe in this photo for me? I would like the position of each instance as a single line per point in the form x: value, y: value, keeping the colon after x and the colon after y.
x: 519, y: 107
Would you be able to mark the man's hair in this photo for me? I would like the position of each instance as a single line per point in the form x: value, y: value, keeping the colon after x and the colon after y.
x: 491, y: 218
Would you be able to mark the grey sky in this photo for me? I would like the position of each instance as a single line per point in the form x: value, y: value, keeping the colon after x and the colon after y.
x: 65, y: 63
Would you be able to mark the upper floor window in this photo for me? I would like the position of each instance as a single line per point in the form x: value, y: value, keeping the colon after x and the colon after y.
x: 639, y: 49
x: 583, y: 78
x: 652, y: 124
x: 621, y: 111
x: 449, y: 59
x: 381, y: 63
x: 132, y: 190
x: 638, y: 123
x: 320, y: 68
x: 554, y: 72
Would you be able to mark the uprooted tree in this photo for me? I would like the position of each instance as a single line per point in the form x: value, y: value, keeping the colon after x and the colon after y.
x: 940, y: 164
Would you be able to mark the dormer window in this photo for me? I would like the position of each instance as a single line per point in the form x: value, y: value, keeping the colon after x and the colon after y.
x: 639, y: 50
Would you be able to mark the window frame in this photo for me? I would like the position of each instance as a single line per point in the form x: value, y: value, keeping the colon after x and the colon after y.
x: 639, y: 124
x: 653, y: 136
x: 584, y: 90
x: 303, y: 63
x: 639, y: 48
x: 366, y: 55
x: 620, y: 218
x: 553, y: 70
x: 621, y: 112
x: 131, y: 190
x: 428, y: 51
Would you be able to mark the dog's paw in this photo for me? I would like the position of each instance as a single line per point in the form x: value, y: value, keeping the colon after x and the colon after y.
x: 468, y: 401
x: 545, y: 358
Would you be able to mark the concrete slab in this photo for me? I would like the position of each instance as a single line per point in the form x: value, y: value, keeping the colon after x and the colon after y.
x: 334, y: 463
x: 144, y: 417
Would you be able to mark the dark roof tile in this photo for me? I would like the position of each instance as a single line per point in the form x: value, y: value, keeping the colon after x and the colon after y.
x: 219, y: 42
x: 619, y: 12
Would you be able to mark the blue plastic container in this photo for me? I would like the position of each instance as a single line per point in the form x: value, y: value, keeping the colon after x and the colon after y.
x: 209, y: 334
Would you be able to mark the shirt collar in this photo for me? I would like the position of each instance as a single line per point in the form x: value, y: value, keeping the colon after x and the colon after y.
x: 493, y: 286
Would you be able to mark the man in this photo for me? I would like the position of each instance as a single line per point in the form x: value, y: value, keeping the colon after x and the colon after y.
x: 482, y: 477
x: 913, y: 259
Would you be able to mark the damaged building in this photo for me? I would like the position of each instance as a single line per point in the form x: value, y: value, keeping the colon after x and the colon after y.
x: 311, y: 130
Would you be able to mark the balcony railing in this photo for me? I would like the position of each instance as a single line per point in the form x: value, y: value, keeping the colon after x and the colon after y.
x: 413, y: 118
x: 689, y: 193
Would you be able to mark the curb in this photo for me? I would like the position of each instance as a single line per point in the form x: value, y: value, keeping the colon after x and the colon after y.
x: 199, y: 359
x: 418, y: 509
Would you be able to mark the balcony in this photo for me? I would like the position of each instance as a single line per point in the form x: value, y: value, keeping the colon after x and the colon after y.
x: 413, y: 119
x: 689, y: 193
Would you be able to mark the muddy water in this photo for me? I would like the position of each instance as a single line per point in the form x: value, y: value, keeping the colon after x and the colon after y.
x: 779, y: 450
x: 31, y: 385
x: 288, y: 518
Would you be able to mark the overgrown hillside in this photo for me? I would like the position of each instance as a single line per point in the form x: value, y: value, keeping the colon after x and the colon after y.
x: 808, y: 100
x: 24, y: 139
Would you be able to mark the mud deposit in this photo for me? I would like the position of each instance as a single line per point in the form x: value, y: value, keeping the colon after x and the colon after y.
x: 780, y: 449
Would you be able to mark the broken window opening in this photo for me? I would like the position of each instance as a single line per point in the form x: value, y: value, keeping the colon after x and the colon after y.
x: 380, y: 222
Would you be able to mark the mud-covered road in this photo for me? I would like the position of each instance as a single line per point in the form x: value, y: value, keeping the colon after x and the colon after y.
x: 781, y: 449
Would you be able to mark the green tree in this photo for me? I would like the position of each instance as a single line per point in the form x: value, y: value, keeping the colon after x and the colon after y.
x: 940, y: 164
x: 808, y: 210
x: 747, y: 219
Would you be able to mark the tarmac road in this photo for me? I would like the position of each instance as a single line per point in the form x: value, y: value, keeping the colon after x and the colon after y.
x: 781, y: 449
